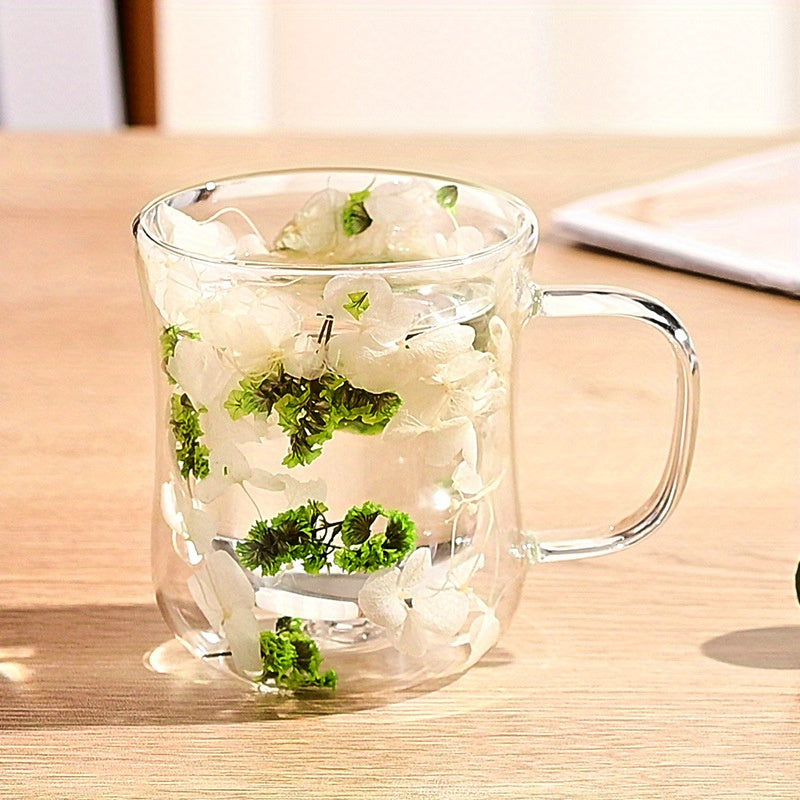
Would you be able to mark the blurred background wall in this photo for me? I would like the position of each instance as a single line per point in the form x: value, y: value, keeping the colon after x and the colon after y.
x: 452, y: 66
x: 59, y: 64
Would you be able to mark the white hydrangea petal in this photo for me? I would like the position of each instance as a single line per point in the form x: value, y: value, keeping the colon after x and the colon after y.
x: 297, y: 492
x: 500, y: 342
x: 155, y: 261
x: 408, y: 222
x: 455, y: 573
x: 393, y: 327
x: 483, y: 635
x: 231, y: 585
x: 227, y: 466
x: 263, y: 479
x: 247, y: 325
x: 345, y: 353
x: 169, y: 508
x: 272, y: 324
x: 319, y: 220
x: 360, y: 359
x: 463, y: 567
x: 412, y: 215
x: 313, y: 229
x: 219, y: 428
x: 243, y: 633
x: 430, y: 350
x: 417, y: 565
x: 337, y: 291
x: 303, y: 357
x: 403, y: 425
x: 197, y: 369
x: 468, y: 368
x: 469, y: 446
x: 229, y: 460
x: 443, y: 612
x: 491, y: 397
x: 466, y: 479
x: 441, y: 243
x: 218, y: 310
x: 396, y: 201
x: 413, y: 639
x: 216, y: 427
x: 274, y: 315
x: 457, y: 403
x: 412, y: 244
x: 178, y: 291
x: 204, y: 595
x: 478, y: 604
x: 251, y: 346
x: 177, y: 493
x: 367, y: 246
x: 379, y: 600
x: 463, y: 240
x: 424, y: 400
x: 245, y: 343
x: 211, y: 487
x: 201, y: 527
x: 444, y: 442
x: 213, y: 239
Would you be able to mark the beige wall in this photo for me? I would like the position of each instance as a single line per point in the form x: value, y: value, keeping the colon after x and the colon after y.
x: 386, y: 65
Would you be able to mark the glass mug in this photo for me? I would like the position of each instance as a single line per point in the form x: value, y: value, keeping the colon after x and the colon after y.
x: 335, y: 504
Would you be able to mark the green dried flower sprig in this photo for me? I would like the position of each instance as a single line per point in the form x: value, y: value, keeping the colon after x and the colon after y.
x: 447, y: 196
x: 310, y: 411
x: 355, y: 218
x: 184, y: 420
x: 169, y: 341
x: 304, y: 534
x: 291, y: 659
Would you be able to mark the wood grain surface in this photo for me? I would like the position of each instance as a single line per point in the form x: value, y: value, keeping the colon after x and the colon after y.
x: 669, y: 671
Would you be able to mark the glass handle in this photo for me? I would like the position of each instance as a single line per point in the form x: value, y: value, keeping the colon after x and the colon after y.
x: 556, y: 301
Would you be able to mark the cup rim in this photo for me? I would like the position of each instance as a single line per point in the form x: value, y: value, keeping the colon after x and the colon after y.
x: 527, y: 228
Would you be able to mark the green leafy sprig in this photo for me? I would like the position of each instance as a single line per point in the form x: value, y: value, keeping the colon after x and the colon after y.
x: 304, y: 534
x: 290, y: 658
x: 169, y: 341
x: 310, y: 411
x: 365, y: 551
x: 355, y: 218
x: 358, y: 303
x: 447, y: 196
x: 184, y: 420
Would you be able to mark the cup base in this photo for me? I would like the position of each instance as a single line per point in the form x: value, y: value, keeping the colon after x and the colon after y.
x: 358, y: 635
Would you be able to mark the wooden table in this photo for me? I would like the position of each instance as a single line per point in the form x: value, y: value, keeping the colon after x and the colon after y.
x: 669, y: 671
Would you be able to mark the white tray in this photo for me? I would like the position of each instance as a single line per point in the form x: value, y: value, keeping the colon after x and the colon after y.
x: 737, y: 219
